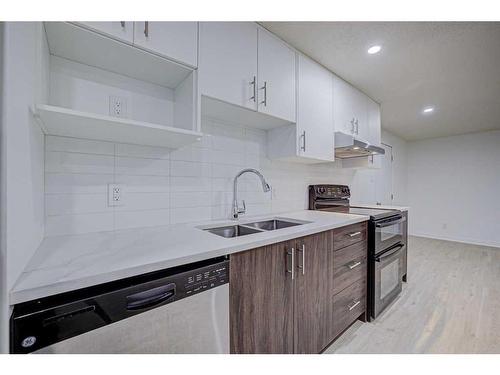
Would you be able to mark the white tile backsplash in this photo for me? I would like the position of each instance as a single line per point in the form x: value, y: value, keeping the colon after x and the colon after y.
x: 163, y: 186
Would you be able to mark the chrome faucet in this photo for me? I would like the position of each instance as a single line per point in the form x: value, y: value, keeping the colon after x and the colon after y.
x: 265, y: 186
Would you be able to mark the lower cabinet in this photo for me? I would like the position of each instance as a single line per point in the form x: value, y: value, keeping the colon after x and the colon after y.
x: 284, y: 298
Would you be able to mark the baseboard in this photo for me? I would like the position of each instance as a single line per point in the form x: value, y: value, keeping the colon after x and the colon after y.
x: 454, y: 239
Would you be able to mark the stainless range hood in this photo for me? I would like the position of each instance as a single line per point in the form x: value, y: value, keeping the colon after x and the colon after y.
x: 347, y: 146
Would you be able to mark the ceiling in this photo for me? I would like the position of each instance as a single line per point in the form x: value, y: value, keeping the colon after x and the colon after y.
x: 452, y: 66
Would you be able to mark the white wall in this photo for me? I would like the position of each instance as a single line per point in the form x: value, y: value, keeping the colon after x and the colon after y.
x: 454, y: 188
x: 364, y: 181
x: 25, y: 57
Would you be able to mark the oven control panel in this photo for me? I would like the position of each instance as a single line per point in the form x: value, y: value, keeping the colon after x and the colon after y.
x: 329, y: 191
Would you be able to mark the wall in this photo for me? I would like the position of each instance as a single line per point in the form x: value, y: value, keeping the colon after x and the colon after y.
x: 364, y: 182
x: 24, y: 74
x: 454, y: 188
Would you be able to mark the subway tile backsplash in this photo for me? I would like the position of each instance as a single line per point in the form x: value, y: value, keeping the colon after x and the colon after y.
x: 164, y: 186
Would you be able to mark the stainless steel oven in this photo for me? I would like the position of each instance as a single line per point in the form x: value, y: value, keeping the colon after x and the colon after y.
x: 388, y: 232
x: 387, y: 273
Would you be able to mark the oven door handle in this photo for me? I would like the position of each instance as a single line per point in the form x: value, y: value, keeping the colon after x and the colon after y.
x: 390, y: 223
x: 389, y: 252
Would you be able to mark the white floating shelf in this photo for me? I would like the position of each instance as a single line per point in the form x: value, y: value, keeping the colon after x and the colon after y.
x: 70, y: 123
x: 76, y: 43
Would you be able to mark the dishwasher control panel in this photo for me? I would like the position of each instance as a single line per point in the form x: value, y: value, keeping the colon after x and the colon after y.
x: 203, y: 279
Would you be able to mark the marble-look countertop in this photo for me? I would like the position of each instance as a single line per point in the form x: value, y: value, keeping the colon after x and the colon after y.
x: 382, y: 207
x: 65, y: 263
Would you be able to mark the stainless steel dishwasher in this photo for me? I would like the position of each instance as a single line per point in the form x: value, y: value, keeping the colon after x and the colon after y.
x: 180, y: 310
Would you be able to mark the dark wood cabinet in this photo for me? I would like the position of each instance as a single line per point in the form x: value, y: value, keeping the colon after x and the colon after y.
x: 297, y: 296
x: 311, y: 294
x: 261, y: 300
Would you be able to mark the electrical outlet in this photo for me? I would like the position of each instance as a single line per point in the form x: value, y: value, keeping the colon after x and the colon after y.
x: 117, y: 106
x: 115, y: 195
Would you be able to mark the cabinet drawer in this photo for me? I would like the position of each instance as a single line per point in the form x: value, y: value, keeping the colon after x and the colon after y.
x: 349, y: 235
x: 348, y: 305
x: 349, y: 265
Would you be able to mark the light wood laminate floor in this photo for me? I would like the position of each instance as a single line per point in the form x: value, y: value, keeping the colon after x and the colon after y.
x: 451, y: 304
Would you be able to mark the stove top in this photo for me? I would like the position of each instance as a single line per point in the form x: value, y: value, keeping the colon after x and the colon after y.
x: 335, y: 198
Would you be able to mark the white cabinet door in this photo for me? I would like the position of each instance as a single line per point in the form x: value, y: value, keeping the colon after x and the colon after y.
x: 123, y: 30
x: 315, y: 113
x: 276, y: 78
x: 175, y: 40
x: 228, y: 62
x: 360, y: 114
x: 343, y: 106
x: 374, y: 123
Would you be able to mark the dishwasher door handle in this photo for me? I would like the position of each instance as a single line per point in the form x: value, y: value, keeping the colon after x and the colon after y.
x: 150, y: 297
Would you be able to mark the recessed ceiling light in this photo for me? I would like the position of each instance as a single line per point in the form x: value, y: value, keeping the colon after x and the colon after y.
x: 374, y: 49
x: 428, y: 110
x: 355, y: 148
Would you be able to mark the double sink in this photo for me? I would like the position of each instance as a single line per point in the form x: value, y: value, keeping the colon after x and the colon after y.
x: 238, y: 230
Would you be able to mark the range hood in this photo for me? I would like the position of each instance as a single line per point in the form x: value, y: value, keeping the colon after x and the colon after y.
x: 347, y: 146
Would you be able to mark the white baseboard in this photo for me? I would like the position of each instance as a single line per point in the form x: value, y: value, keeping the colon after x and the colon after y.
x: 455, y: 239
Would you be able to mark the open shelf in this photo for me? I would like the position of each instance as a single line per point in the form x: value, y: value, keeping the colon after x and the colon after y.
x: 79, y: 44
x: 70, y: 123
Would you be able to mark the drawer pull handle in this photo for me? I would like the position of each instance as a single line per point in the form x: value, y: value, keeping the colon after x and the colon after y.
x: 292, y: 256
x: 354, y: 305
x: 354, y: 265
x: 354, y: 234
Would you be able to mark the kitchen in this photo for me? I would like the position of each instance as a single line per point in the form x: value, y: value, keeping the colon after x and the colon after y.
x: 229, y: 183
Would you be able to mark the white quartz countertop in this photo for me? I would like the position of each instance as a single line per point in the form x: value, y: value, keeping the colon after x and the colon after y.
x: 382, y: 207
x: 66, y: 263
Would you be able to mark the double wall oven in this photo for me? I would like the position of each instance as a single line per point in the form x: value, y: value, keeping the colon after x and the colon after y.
x: 386, y: 243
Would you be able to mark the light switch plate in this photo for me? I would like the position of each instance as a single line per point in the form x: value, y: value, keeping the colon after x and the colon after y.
x: 115, y: 195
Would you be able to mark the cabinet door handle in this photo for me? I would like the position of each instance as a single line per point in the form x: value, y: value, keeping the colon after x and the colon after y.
x: 254, y: 83
x: 353, y: 305
x: 303, y: 136
x: 122, y: 23
x: 354, y: 234
x: 303, y: 252
x: 265, y: 94
x: 353, y: 265
x: 146, y: 29
x: 291, y: 254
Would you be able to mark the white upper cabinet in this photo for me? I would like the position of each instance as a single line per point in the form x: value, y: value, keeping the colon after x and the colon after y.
x: 276, y: 77
x: 312, y: 139
x: 315, y: 112
x: 175, y: 40
x: 374, y: 123
x: 350, y: 109
x: 228, y: 62
x: 123, y: 30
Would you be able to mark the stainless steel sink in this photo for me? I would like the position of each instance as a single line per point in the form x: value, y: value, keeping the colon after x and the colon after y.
x: 272, y: 224
x: 232, y: 231
x: 237, y: 230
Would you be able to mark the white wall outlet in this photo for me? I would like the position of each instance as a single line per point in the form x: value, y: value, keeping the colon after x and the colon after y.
x: 115, y: 195
x: 117, y: 106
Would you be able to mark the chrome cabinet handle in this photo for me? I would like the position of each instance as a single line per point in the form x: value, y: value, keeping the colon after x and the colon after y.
x: 292, y: 255
x: 303, y: 266
x: 146, y: 29
x: 254, y: 83
x: 303, y: 136
x: 353, y: 265
x: 122, y: 23
x: 353, y: 305
x: 354, y: 234
x: 265, y: 94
